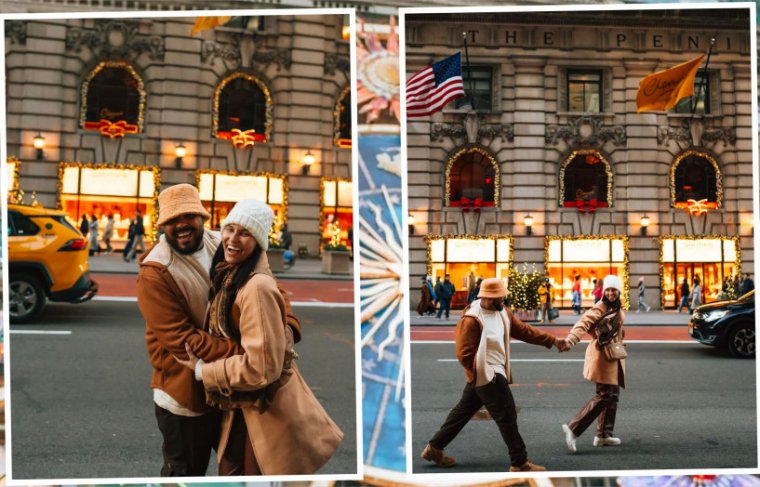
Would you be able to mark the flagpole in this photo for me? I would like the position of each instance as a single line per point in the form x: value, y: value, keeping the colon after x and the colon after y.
x: 469, y: 74
x: 702, y: 79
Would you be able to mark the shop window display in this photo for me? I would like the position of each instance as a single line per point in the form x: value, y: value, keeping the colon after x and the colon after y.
x: 696, y: 178
x: 220, y: 190
x: 336, y: 212
x: 103, y: 190
x: 466, y: 257
x: 242, y: 104
x: 472, y: 179
x: 713, y: 260
x: 343, y: 119
x: 588, y: 257
x: 113, y: 100
x: 586, y: 180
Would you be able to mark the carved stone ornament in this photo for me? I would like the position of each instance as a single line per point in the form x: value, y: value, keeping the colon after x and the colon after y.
x: 16, y: 30
x: 585, y: 131
x: 283, y: 57
x: 680, y: 134
x: 210, y: 50
x: 472, y: 130
x: 697, y: 129
x: 335, y: 62
x: 115, y: 38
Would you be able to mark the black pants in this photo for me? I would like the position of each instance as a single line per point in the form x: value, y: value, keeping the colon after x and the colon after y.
x: 445, y: 306
x: 187, y: 442
x: 602, y: 406
x: 498, y: 400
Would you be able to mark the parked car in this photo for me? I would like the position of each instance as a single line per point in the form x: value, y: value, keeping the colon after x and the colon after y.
x: 47, y: 259
x: 729, y: 324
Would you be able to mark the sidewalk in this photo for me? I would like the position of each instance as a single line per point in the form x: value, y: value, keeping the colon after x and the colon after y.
x: 568, y: 318
x: 306, y: 269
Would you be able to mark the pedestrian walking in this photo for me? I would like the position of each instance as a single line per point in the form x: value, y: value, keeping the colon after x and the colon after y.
x: 84, y: 225
x: 597, y: 292
x: 576, y: 299
x: 130, y: 240
x: 684, y: 296
x: 108, y: 233
x: 425, y: 306
x: 138, y: 238
x: 696, y: 295
x: 747, y: 285
x: 642, y: 303
x: 482, y: 347
x: 94, y: 245
x: 436, y: 297
x: 604, y: 322
x: 546, y: 296
x: 445, y: 293
x: 471, y: 296
x: 261, y: 391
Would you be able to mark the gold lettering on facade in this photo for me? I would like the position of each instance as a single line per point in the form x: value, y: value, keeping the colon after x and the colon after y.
x: 107, y: 114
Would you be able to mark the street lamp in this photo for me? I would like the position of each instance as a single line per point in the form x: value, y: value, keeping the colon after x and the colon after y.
x: 180, y: 151
x: 411, y: 224
x: 528, y: 221
x: 644, y: 225
x: 39, y: 144
x: 308, y: 160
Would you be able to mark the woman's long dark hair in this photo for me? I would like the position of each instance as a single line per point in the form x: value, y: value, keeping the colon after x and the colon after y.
x: 241, y: 277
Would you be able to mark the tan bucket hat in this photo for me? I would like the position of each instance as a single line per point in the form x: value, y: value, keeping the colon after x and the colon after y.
x: 493, y: 287
x: 180, y: 199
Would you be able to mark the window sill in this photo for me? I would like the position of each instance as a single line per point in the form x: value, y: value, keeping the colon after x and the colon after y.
x: 585, y: 114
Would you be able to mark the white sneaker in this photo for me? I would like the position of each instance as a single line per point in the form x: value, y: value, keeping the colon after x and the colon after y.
x: 570, y: 438
x: 611, y: 441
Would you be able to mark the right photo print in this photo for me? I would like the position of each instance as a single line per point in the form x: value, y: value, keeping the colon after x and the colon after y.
x: 579, y: 190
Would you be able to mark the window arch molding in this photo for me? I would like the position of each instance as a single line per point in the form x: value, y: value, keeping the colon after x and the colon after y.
x: 459, y: 155
x: 94, y: 123
x: 342, y: 118
x: 569, y: 159
x: 256, y: 81
x: 713, y: 163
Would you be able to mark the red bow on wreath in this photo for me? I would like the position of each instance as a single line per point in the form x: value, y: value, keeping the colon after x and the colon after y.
x: 587, y: 206
x: 467, y: 204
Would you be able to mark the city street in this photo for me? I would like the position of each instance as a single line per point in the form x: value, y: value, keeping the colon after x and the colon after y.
x: 81, y: 406
x: 686, y: 406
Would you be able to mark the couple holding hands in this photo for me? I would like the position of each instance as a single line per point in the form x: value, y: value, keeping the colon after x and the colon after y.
x: 482, y: 347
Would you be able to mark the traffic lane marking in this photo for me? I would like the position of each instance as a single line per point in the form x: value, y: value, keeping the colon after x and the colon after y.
x: 295, y: 304
x: 39, y: 332
x: 633, y: 332
x: 525, y: 360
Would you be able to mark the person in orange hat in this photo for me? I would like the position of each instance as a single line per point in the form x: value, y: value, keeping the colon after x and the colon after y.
x: 172, y: 294
x: 482, y: 346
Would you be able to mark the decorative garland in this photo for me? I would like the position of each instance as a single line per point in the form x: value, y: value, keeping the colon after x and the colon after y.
x: 263, y: 138
x: 584, y: 205
x: 121, y: 127
x: 450, y: 163
x: 337, y: 112
x: 702, y: 205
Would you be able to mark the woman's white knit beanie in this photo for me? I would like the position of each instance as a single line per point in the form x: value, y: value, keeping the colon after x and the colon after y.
x: 614, y: 282
x: 254, y: 216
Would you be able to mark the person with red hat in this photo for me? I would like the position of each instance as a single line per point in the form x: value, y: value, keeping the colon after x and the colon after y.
x: 482, y: 346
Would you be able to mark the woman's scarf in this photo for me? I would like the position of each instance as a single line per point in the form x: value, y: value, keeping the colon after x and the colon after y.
x: 608, y: 326
x: 223, y: 293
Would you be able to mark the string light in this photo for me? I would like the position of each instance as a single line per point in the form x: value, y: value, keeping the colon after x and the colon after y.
x: 469, y: 150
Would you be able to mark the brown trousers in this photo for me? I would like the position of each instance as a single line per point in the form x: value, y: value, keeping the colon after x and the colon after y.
x: 602, y: 406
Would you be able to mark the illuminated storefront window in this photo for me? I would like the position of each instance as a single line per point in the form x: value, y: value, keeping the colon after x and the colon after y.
x: 590, y: 257
x: 336, y: 211
x: 342, y: 117
x: 459, y: 255
x: 712, y: 259
x: 113, y: 100
x: 110, y: 189
x: 242, y: 108
x: 220, y: 190
x: 472, y: 179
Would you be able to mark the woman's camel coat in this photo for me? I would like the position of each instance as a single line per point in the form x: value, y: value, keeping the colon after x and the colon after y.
x: 596, y: 367
x: 295, y: 435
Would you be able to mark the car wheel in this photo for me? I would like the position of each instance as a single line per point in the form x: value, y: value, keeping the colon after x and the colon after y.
x: 26, y: 298
x: 741, y: 341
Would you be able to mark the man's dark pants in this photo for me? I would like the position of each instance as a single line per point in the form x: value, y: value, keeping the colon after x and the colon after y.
x: 187, y: 442
x: 498, y: 400
x: 445, y: 305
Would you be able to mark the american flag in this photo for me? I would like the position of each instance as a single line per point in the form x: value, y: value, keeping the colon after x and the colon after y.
x: 432, y: 88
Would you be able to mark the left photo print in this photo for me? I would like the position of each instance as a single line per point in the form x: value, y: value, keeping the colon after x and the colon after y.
x: 181, y: 281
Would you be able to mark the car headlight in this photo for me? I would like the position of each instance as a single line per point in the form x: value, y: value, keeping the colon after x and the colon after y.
x: 715, y: 315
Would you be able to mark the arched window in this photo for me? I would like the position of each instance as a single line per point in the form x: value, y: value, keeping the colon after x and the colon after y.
x: 113, y: 100
x: 472, y: 178
x: 342, y: 116
x: 695, y: 179
x: 242, y: 103
x: 585, y: 181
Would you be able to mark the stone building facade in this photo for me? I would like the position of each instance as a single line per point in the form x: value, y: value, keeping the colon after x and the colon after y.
x: 553, y: 166
x: 299, y: 67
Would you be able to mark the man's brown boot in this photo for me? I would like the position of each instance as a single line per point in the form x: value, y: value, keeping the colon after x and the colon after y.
x: 528, y: 466
x: 438, y: 457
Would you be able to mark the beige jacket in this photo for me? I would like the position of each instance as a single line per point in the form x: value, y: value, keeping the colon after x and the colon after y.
x: 596, y: 367
x: 295, y: 435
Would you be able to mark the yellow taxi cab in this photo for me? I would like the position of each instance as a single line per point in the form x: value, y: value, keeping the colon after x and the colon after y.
x: 47, y: 260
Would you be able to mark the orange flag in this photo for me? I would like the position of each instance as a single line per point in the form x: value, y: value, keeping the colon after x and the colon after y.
x: 663, y: 90
x: 206, y: 23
